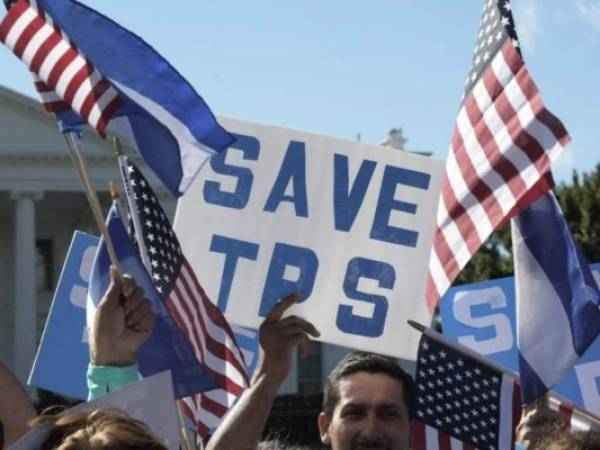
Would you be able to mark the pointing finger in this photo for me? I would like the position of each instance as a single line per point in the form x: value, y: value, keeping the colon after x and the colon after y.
x: 282, y: 306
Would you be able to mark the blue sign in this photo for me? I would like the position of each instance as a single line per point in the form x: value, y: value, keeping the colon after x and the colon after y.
x: 63, y: 355
x: 482, y: 317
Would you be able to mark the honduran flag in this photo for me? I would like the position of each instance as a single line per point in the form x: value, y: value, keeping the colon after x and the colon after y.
x: 167, y: 348
x: 115, y: 82
x: 557, y: 297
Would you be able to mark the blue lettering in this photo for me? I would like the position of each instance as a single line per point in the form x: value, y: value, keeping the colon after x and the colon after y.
x: 292, y: 168
x: 381, y: 229
x: 238, y: 199
x: 373, y: 326
x: 233, y: 250
x: 276, y: 286
x: 346, y: 204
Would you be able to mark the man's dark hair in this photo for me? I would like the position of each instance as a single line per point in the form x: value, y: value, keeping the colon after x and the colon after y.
x: 371, y: 363
x: 563, y: 440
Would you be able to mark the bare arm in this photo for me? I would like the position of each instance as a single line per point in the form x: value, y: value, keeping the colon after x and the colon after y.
x: 243, y: 426
x: 16, y: 409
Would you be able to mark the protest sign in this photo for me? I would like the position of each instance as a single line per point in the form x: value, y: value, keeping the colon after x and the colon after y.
x: 482, y: 317
x: 150, y: 400
x: 347, y: 224
x: 63, y: 354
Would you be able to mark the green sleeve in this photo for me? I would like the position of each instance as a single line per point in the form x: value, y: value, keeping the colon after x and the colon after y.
x: 104, y: 379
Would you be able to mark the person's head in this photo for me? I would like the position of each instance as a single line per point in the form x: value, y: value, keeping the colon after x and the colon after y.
x: 275, y: 444
x: 367, y: 404
x: 101, y: 429
x: 561, y: 440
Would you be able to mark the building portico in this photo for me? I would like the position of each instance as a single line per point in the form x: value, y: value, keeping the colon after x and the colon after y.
x: 41, y: 204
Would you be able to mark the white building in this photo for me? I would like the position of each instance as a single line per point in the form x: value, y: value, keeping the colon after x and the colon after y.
x: 41, y: 204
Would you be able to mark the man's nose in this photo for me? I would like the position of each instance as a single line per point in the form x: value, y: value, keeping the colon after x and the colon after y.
x: 372, y: 425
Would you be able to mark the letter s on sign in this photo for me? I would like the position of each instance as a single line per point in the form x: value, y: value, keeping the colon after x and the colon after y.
x: 463, y: 304
x: 588, y: 376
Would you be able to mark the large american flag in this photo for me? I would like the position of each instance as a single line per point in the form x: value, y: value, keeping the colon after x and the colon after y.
x: 200, y: 320
x: 502, y: 145
x: 464, y: 404
x: 63, y: 76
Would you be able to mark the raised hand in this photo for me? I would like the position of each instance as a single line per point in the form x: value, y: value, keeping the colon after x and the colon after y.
x: 123, y: 321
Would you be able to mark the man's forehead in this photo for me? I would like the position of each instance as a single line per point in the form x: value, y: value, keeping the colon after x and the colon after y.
x: 364, y: 386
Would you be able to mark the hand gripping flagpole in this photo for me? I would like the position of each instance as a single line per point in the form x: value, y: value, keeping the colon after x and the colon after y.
x: 118, y: 148
x: 80, y: 164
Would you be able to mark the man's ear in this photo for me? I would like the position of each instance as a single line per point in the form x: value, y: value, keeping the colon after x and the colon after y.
x: 324, y: 421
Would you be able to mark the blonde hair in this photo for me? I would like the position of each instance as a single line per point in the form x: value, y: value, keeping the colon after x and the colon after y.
x: 100, y: 429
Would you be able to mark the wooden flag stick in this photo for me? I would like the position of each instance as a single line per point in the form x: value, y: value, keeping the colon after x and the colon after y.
x: 92, y: 197
x: 114, y: 195
x: 184, y: 434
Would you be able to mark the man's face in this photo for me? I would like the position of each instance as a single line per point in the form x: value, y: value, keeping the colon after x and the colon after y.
x: 370, y: 415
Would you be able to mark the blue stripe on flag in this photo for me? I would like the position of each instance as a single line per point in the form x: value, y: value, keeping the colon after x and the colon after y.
x: 557, y: 297
x: 170, y: 123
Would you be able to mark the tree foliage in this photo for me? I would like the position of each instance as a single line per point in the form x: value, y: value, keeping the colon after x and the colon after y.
x: 580, y: 203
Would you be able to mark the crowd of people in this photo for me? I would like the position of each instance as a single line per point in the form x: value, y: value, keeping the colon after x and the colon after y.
x: 367, y: 402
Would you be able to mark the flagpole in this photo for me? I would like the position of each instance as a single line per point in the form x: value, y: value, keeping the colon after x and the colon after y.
x: 182, y: 427
x: 553, y: 397
x: 461, y: 348
x: 92, y: 197
x: 116, y: 198
x: 135, y: 218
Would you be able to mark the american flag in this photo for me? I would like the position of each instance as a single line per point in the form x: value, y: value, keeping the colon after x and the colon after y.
x: 502, y: 145
x: 200, y: 320
x: 65, y: 79
x: 462, y: 403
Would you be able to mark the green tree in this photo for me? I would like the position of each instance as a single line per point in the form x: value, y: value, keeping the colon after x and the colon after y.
x: 580, y: 203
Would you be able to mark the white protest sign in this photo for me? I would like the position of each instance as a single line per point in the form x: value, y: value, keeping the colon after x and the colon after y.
x: 150, y: 400
x: 348, y: 224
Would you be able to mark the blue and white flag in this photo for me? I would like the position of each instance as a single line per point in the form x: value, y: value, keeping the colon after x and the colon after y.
x: 557, y: 297
x: 166, y: 348
x: 114, y: 81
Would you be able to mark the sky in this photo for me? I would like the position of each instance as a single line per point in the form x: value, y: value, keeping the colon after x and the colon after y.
x: 344, y: 68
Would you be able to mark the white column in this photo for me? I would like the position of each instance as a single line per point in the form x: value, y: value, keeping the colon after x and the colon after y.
x: 25, y: 282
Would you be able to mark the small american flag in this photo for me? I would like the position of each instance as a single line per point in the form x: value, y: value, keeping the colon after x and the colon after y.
x: 64, y: 78
x: 462, y: 403
x: 502, y: 145
x: 200, y: 320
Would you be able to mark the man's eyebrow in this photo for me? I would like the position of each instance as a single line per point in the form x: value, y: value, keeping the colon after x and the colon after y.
x: 354, y: 404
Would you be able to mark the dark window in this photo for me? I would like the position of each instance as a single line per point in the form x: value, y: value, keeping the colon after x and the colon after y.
x: 310, y: 370
x: 44, y: 265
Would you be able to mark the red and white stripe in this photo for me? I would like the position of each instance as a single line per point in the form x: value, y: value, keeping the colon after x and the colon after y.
x: 502, y: 145
x: 210, y: 336
x: 65, y: 73
x: 207, y: 410
x: 51, y: 102
x: 214, y: 344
